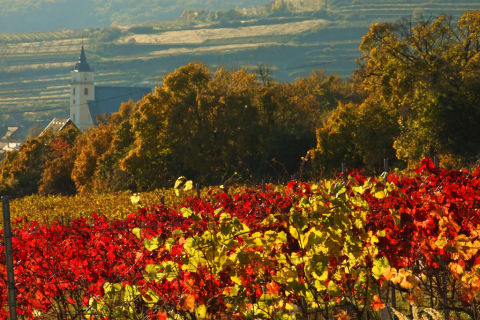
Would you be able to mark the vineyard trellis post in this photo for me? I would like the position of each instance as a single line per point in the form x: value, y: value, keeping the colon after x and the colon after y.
x: 436, y: 162
x: 7, y: 233
x: 197, y: 189
x: 344, y: 171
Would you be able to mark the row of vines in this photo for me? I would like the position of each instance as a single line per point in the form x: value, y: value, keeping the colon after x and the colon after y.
x: 332, y: 250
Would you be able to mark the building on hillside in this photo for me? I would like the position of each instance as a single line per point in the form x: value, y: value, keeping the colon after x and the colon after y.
x: 12, y: 139
x: 57, y: 125
x: 88, y: 101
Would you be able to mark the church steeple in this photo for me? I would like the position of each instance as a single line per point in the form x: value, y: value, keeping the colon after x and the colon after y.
x: 82, y: 64
x: 82, y: 91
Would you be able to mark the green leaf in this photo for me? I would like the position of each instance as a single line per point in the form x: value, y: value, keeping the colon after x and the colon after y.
x: 378, y: 266
x: 177, y: 233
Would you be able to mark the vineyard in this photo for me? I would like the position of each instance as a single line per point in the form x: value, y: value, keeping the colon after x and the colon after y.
x: 310, y: 35
x: 337, y: 249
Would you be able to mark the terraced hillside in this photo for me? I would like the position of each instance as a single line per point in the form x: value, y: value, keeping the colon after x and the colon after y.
x: 291, y: 37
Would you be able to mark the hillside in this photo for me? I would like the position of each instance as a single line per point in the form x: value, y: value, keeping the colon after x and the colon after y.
x: 290, y: 37
x: 48, y: 15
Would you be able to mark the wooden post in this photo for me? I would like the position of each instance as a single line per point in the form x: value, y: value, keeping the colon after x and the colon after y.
x: 394, y: 299
x: 436, y: 162
x: 344, y: 171
x: 446, y: 310
x: 387, y: 312
x: 7, y: 233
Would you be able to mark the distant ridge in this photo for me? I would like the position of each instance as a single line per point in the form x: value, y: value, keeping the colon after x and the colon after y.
x: 48, y: 15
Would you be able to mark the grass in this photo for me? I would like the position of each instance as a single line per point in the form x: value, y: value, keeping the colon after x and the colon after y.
x: 416, y: 315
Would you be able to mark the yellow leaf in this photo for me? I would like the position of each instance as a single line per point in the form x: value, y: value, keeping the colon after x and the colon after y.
x: 380, y: 194
x: 135, y: 199
x: 441, y: 241
x: 455, y: 268
x: 180, y: 182
x: 294, y: 232
x: 201, y: 312
x: 188, y: 185
x: 292, y: 307
x: 136, y: 232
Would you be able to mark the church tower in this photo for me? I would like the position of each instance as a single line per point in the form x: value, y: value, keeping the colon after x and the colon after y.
x: 82, y: 90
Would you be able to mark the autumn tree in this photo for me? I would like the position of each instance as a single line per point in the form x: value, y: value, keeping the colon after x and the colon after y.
x: 57, y: 170
x: 291, y: 113
x: 197, y: 124
x: 21, y: 171
x: 359, y: 135
x: 427, y: 74
x: 89, y: 149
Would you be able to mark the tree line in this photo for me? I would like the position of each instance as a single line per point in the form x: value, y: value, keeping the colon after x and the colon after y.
x: 415, y: 94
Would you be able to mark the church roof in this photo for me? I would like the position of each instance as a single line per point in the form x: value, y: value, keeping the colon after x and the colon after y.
x: 108, y: 99
x: 57, y: 125
x: 82, y: 64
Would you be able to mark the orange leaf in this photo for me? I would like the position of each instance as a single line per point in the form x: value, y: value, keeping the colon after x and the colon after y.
x: 342, y: 315
x: 187, y: 303
x: 389, y: 273
x: 456, y: 269
x: 377, y: 304
x: 273, y: 288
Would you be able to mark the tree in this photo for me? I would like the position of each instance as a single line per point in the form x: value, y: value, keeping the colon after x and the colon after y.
x: 197, y: 124
x: 427, y: 74
x: 89, y: 148
x: 21, y: 171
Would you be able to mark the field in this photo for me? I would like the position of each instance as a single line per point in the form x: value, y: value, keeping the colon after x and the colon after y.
x: 340, y: 248
x: 34, y: 67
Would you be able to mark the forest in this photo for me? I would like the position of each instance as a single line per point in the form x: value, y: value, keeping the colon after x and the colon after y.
x: 415, y: 94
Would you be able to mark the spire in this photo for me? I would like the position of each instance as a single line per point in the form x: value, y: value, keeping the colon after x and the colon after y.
x: 82, y: 64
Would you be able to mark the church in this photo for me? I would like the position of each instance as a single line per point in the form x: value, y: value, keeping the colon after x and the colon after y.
x: 88, y: 101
